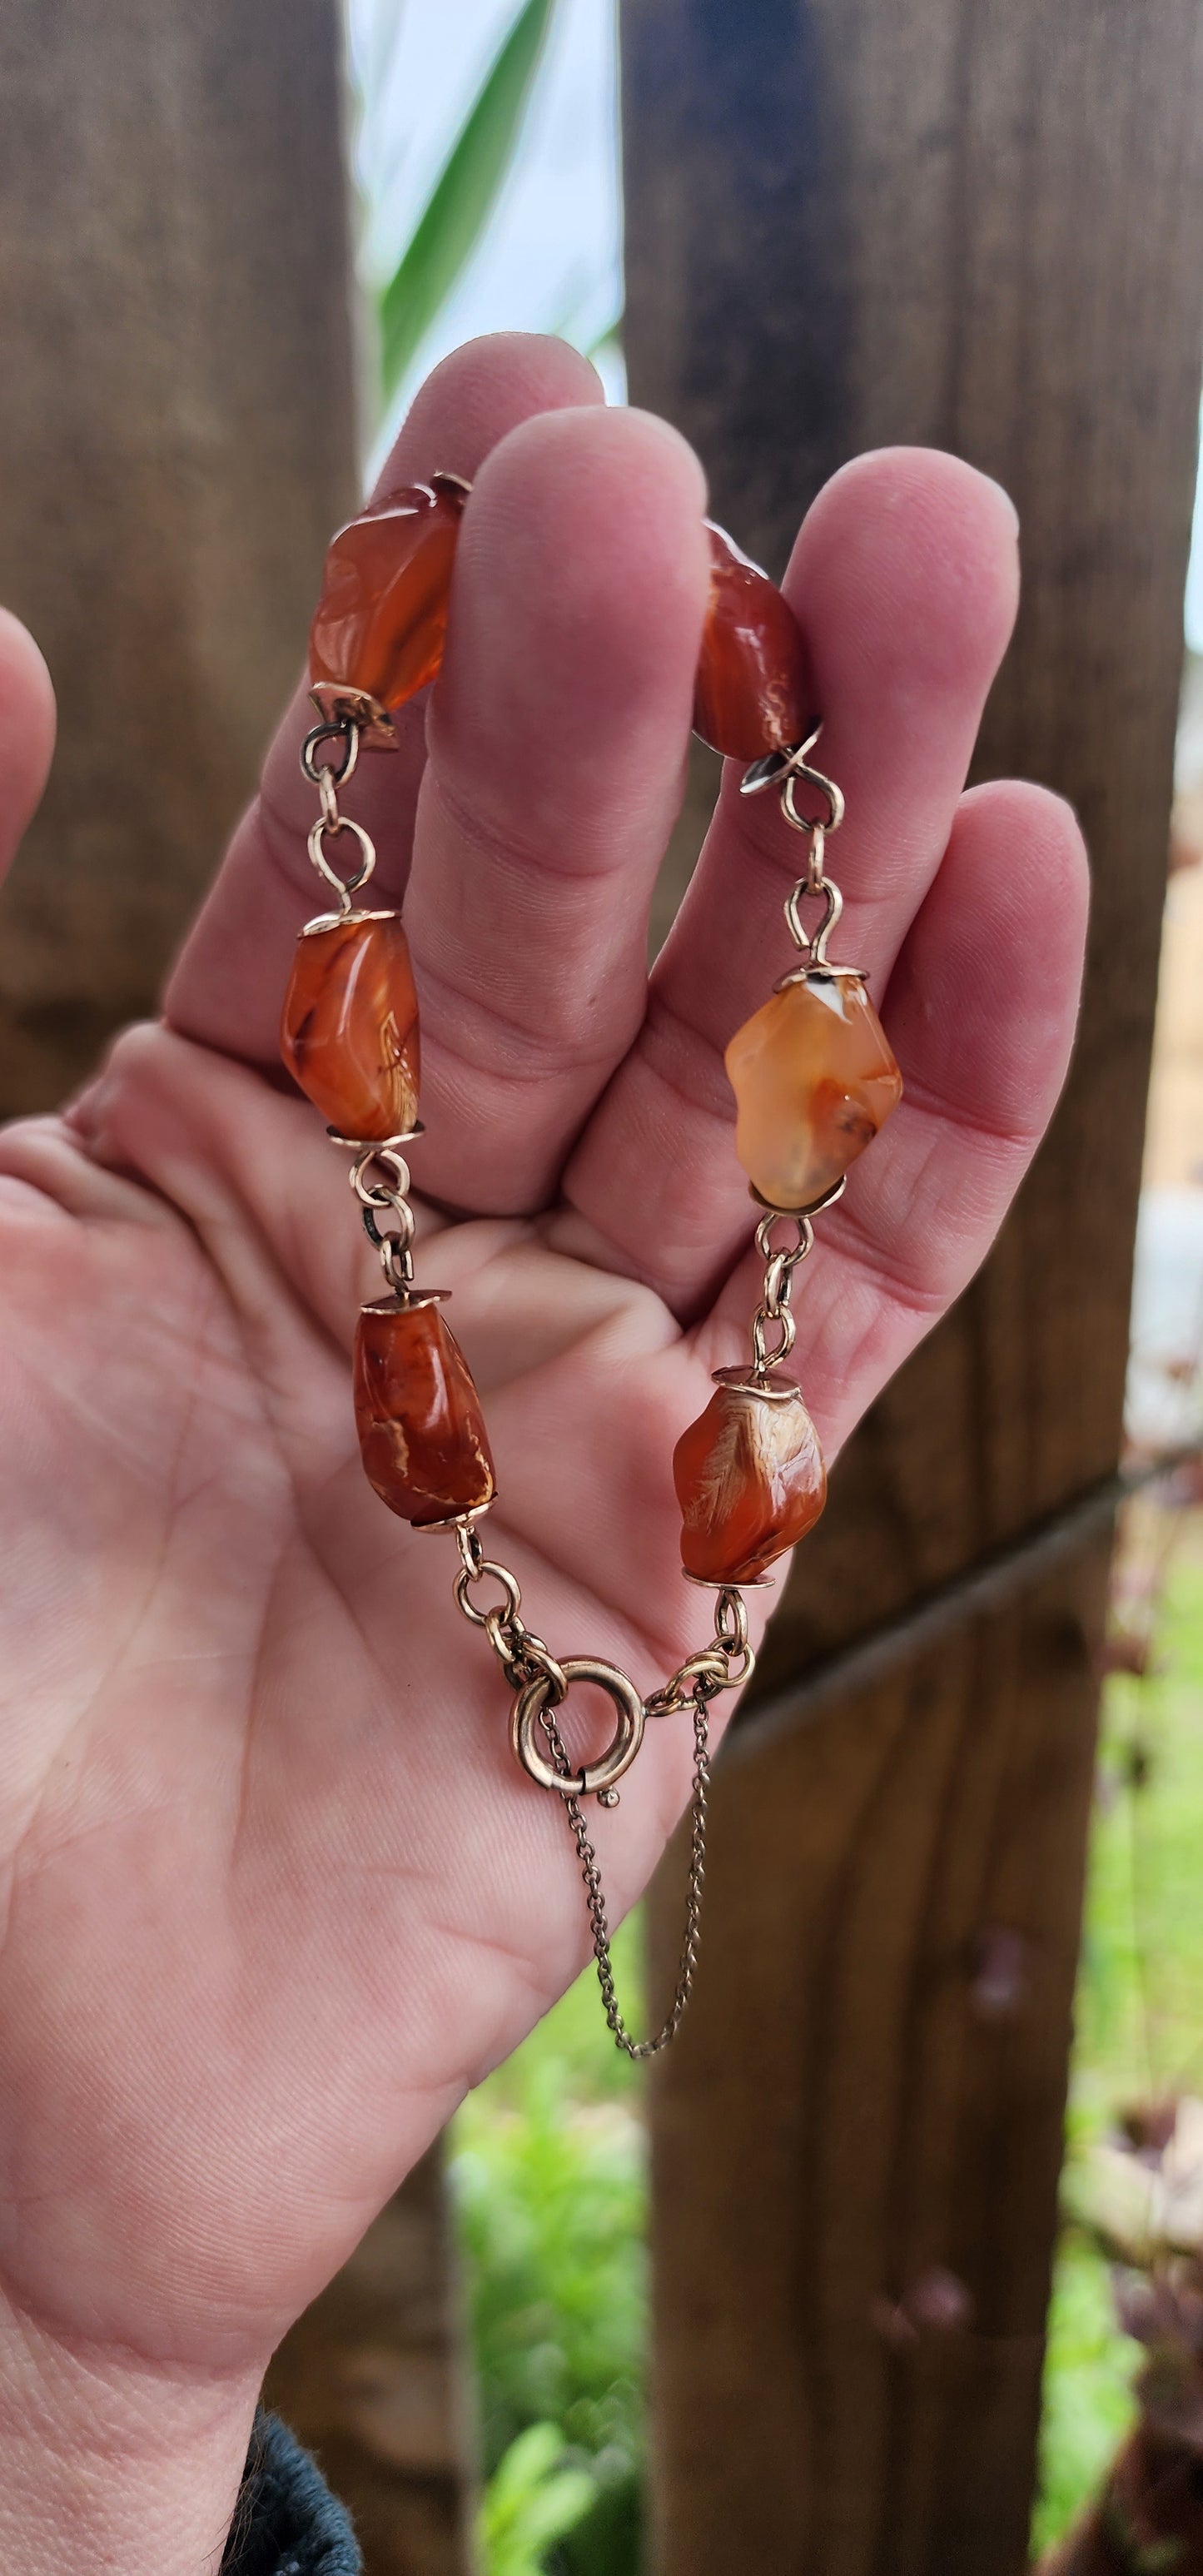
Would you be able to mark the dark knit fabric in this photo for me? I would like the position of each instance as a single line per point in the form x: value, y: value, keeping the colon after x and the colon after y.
x: 287, y: 2522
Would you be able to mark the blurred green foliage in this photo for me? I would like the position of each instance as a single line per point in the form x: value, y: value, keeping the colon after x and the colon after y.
x: 1138, y: 2010
x: 463, y: 197
x: 550, y: 2182
x: 549, y: 2178
x: 531, y: 2501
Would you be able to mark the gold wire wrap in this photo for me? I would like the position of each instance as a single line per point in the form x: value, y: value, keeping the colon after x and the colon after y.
x: 379, y: 1176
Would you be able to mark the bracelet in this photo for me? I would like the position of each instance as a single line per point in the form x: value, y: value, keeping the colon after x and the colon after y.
x: 813, y: 1077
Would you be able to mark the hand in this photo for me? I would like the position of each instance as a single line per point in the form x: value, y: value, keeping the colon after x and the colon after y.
x: 274, y: 1891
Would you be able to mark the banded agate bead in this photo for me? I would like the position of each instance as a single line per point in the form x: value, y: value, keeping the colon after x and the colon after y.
x: 349, y: 1030
x: 814, y: 1080
x: 381, y: 621
x: 421, y: 1429
x: 750, y: 1479
x: 754, y: 691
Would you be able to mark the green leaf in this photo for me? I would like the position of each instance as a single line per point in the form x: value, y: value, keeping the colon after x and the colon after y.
x: 531, y: 2502
x: 608, y: 339
x: 463, y: 196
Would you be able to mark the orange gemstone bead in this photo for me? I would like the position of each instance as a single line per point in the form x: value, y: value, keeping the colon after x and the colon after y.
x: 421, y: 1429
x: 382, y: 616
x: 349, y: 1031
x: 750, y: 1479
x: 754, y: 691
x: 814, y: 1079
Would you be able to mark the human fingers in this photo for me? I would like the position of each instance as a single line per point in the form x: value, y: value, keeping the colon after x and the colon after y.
x: 227, y: 986
x: 904, y: 577
x: 982, y: 1019
x: 557, y: 740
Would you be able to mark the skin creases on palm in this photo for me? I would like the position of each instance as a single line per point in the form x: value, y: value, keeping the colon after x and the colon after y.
x: 257, y: 1793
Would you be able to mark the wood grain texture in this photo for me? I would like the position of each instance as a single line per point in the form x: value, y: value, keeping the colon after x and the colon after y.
x: 856, y: 2144
x: 176, y: 442
x: 977, y: 227
x: 368, y: 2378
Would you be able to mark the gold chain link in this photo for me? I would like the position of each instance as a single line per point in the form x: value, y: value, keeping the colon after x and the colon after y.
x: 523, y: 1657
x: 390, y: 1195
x: 380, y: 1179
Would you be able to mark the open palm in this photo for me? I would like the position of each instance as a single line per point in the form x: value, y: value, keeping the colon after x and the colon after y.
x: 273, y: 1892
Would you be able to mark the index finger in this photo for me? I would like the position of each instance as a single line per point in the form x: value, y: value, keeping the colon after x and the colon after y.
x: 227, y: 986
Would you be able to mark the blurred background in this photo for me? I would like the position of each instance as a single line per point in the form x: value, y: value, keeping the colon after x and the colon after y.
x: 791, y: 2309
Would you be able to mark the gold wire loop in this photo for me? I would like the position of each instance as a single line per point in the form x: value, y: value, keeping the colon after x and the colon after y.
x: 397, y: 1263
x: 813, y: 944
x: 764, y: 1357
x: 508, y: 1608
x: 776, y: 1278
x: 379, y: 1194
x: 705, y: 1672
x: 471, y: 1549
x: 535, y: 1658
x: 723, y: 1665
x: 788, y: 1253
x: 783, y: 770
x: 344, y: 887
x: 341, y: 729
x: 405, y: 1223
x: 731, y: 1622
x: 826, y: 787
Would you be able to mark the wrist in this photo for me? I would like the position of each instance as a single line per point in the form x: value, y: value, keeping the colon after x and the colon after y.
x: 109, y: 2463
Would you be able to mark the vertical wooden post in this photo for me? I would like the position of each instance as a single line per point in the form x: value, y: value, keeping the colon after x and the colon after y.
x: 977, y: 226
x: 176, y: 443
x: 370, y: 2379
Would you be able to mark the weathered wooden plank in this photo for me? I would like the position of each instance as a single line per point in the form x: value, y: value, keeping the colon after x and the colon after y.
x: 176, y: 440
x: 857, y: 2147
x: 977, y: 226
x: 369, y: 2377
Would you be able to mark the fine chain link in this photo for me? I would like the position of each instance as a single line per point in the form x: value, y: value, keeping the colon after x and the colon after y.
x: 331, y: 821
x: 724, y: 1665
x: 775, y: 1308
x: 595, y: 1896
x: 392, y: 1195
x: 775, y: 1315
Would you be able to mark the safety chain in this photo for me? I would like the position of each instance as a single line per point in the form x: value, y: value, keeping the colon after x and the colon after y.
x: 596, y: 1902
x: 528, y: 1666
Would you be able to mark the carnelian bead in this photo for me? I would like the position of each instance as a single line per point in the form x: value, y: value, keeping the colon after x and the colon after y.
x: 349, y: 1031
x: 382, y: 616
x: 754, y: 691
x: 421, y: 1430
x: 814, y: 1079
x: 750, y: 1479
